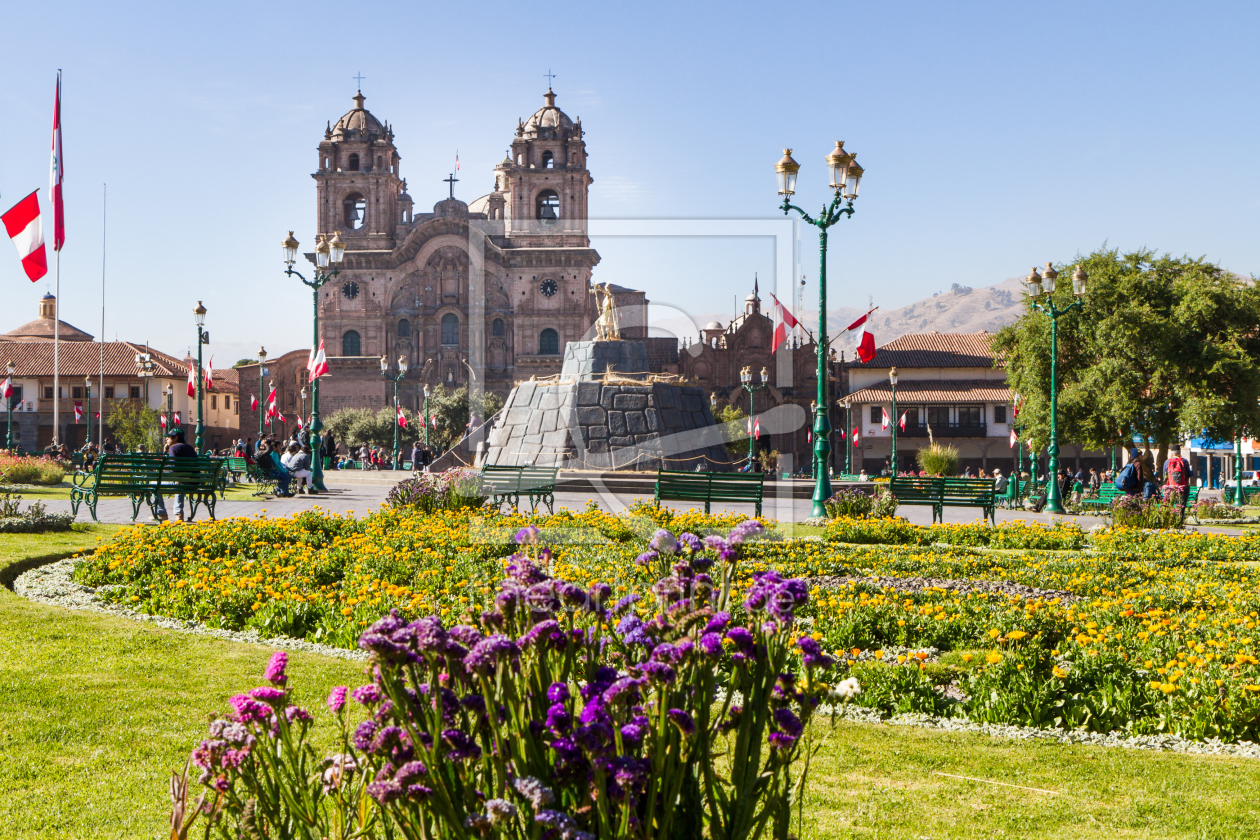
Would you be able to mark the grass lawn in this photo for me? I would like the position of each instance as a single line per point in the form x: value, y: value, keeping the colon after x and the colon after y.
x: 235, y: 493
x: 99, y: 710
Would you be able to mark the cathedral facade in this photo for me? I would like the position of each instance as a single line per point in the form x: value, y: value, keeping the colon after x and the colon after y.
x: 487, y: 291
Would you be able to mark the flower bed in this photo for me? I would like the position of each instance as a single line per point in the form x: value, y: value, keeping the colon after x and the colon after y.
x: 18, y: 469
x: 1154, y: 640
x: 894, y: 531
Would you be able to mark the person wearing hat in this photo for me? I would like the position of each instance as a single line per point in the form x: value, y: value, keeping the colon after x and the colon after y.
x: 1000, y: 483
x: 176, y: 447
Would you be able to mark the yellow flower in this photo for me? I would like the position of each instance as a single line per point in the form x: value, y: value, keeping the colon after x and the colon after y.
x: 993, y: 634
x: 967, y: 657
x: 993, y: 657
x: 1016, y: 635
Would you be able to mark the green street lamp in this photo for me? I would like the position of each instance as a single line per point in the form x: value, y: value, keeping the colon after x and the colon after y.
x: 8, y: 405
x: 395, y: 378
x: 170, y: 407
x: 745, y: 381
x: 1238, y: 472
x: 326, y: 252
x: 199, y: 314
x: 846, y: 175
x: 87, y: 397
x: 1041, y: 288
x: 426, y: 416
x: 848, y: 445
x: 302, y: 405
x: 892, y: 380
x: 262, y: 372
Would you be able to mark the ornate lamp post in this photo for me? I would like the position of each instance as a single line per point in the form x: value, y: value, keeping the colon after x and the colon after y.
x: 8, y: 406
x: 845, y: 177
x: 262, y: 372
x: 892, y: 380
x: 170, y: 407
x: 326, y: 252
x: 745, y: 381
x: 302, y: 405
x: 426, y: 416
x: 87, y: 398
x: 848, y: 446
x: 1041, y: 288
x: 395, y: 378
x: 203, y: 337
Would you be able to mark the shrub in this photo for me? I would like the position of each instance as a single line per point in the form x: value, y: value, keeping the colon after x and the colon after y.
x: 1136, y: 512
x: 539, y: 720
x: 855, y: 504
x: 429, y: 492
x: 35, y: 520
x: 1214, y: 509
x: 30, y: 470
x: 938, y: 459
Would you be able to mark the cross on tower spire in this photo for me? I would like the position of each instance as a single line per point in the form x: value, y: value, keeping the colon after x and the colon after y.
x: 452, y: 181
x: 358, y: 78
x: 549, y: 76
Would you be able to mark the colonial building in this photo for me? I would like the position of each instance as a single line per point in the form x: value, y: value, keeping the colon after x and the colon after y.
x: 491, y: 289
x: 716, y: 360
x: 30, y: 349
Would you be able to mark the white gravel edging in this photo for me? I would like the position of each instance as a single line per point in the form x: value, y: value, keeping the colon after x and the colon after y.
x: 53, y: 584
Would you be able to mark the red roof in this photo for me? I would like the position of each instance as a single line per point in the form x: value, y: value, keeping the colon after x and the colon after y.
x: 936, y: 391
x: 934, y: 349
x: 83, y: 358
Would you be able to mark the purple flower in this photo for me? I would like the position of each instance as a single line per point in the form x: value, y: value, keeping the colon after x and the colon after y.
x: 632, y: 734
x: 733, y: 719
x: 574, y: 596
x: 486, y: 654
x: 781, y: 741
x: 557, y: 692
x: 492, y: 618
x: 718, y: 622
x: 690, y: 542
x: 546, y: 634
x: 666, y: 652
x: 742, y: 638
x: 249, y: 710
x: 626, y: 688
x: 721, y: 546
x: 429, y: 634
x: 337, y: 699
x: 632, y: 632
x: 786, y: 721
x: 527, y: 535
x: 363, y: 734
x: 659, y: 672
x: 524, y: 571
x: 534, y: 791
x: 711, y: 645
x: 745, y: 530
x: 499, y: 811
x: 267, y: 694
x: 367, y: 695
x: 558, y: 719
x: 812, y: 654
x: 595, y: 738
x: 409, y: 772
x: 461, y: 745
x: 275, y: 668
x: 646, y: 558
x: 598, y: 594
x: 385, y: 791
x: 683, y: 721
x: 297, y: 713
x: 625, y: 604
x: 389, y: 639
x: 418, y: 793
x: 664, y: 542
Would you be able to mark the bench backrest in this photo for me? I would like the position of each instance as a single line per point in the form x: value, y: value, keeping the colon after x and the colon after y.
x: 538, y: 478
x: 682, y: 485
x: 120, y: 472
x: 967, y: 490
x: 236, y: 464
x: 915, y: 488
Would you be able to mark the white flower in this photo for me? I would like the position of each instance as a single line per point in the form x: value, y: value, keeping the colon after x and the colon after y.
x: 846, y: 690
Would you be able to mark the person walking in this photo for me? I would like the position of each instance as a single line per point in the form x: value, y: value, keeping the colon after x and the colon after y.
x: 176, y: 447
x: 1177, y: 475
x: 328, y: 451
x: 1132, y: 480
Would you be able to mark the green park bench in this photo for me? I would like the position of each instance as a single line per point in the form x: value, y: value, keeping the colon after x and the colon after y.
x: 848, y: 477
x: 143, y: 477
x: 1106, y: 495
x: 504, y: 483
x: 968, y: 492
x: 915, y: 491
x: 1250, y: 494
x: 709, y: 487
x: 1015, y: 490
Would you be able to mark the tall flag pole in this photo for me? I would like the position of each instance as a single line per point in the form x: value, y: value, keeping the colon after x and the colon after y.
x: 100, y: 415
x: 56, y: 174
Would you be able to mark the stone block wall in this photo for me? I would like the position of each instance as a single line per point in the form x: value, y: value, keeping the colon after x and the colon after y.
x: 584, y: 359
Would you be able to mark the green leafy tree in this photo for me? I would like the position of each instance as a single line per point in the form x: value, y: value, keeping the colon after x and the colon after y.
x: 134, y: 425
x: 243, y: 362
x: 734, y: 425
x: 1163, y: 347
x: 451, y: 409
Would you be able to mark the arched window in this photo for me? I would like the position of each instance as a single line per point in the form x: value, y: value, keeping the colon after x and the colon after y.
x: 549, y: 343
x: 498, y: 328
x: 404, y: 328
x: 450, y: 329
x: 548, y: 160
x: 354, y: 163
x: 355, y: 211
x: 350, y: 344
x: 548, y: 207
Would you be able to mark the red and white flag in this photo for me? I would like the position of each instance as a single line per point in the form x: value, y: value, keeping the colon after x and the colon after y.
x: 192, y: 380
x: 1014, y: 438
x: 253, y: 402
x: 757, y: 428
x: 421, y: 422
x: 6, y: 388
x: 865, y: 339
x: 457, y: 160
x: 271, y: 402
x: 56, y: 174
x: 884, y: 423
x: 857, y: 436
x: 317, y: 363
x: 210, y: 374
x: 402, y: 418
x: 178, y: 423
x: 786, y: 321
x: 78, y: 412
x: 23, y: 224
x: 301, y: 425
x: 902, y: 421
x: 280, y: 416
x: 162, y: 420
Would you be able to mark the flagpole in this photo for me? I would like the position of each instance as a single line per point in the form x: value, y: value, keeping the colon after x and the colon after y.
x: 100, y: 436
x: 57, y: 354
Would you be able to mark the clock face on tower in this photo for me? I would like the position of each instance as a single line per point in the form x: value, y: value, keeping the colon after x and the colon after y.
x: 350, y: 290
x: 549, y: 288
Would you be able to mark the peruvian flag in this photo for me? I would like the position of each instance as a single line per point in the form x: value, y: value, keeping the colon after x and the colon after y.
x: 271, y: 401
x: 317, y: 363
x: 1014, y: 438
x: 301, y: 425
x: 56, y: 173
x: 192, y: 380
x: 857, y: 436
x: 78, y: 412
x: 178, y: 423
x: 210, y: 374
x: 162, y: 420
x: 253, y: 402
x: 420, y: 421
x: 865, y: 339
x: 786, y: 321
x: 757, y: 428
x: 1015, y: 406
x: 402, y: 418
x: 24, y: 227
x: 884, y: 423
x: 6, y: 388
x: 902, y: 421
x: 748, y: 424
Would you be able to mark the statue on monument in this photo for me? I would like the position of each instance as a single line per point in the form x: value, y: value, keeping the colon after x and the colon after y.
x: 606, y: 325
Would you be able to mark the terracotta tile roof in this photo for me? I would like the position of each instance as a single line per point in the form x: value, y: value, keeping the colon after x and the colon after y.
x: 911, y: 391
x: 934, y: 349
x: 83, y: 358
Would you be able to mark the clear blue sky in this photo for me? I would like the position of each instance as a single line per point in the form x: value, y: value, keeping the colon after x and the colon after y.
x: 994, y: 136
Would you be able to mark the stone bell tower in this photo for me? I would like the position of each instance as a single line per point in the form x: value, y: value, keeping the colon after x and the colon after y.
x: 359, y: 191
x: 543, y: 181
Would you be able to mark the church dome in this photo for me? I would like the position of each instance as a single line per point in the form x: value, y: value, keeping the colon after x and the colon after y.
x: 712, y: 325
x: 547, y: 118
x: 358, y: 122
